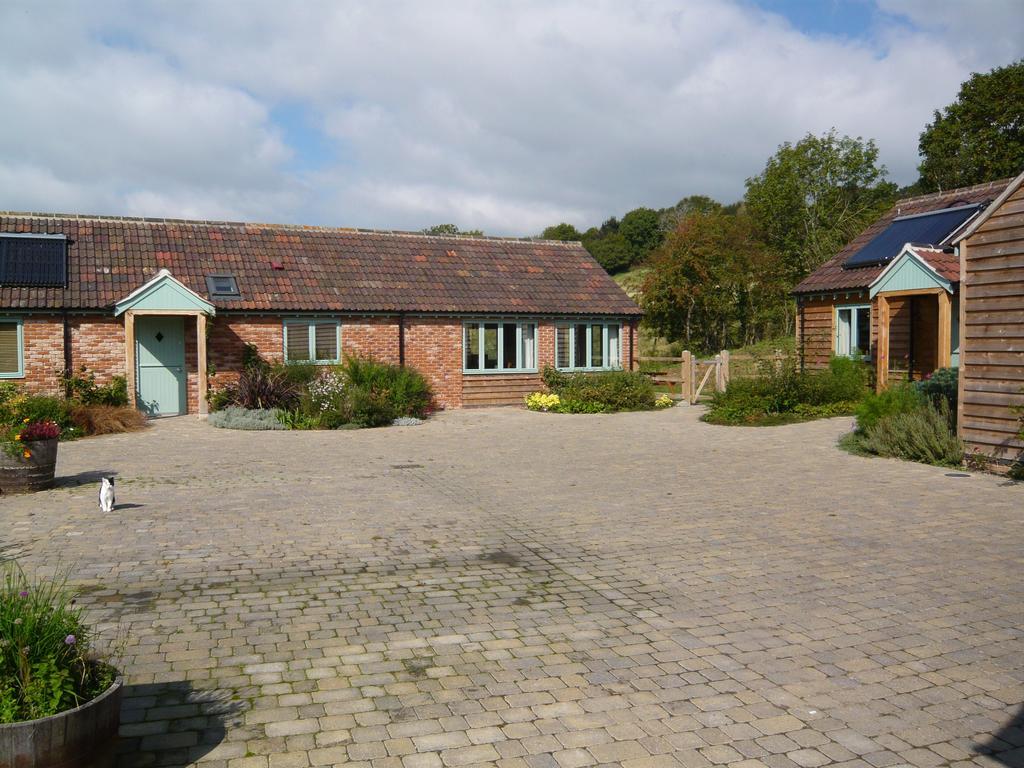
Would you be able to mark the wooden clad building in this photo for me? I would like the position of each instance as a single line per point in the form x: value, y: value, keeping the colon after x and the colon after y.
x: 992, y: 322
x: 892, y: 295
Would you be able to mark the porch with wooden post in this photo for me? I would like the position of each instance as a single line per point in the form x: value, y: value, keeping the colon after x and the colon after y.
x: 164, y: 297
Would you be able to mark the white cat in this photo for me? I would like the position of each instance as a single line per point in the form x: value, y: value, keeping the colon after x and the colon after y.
x: 107, y: 494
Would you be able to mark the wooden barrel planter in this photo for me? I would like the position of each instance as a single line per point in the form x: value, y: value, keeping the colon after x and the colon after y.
x: 21, y: 475
x: 83, y: 737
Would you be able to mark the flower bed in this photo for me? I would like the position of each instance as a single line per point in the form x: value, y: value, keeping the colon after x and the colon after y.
x: 358, y: 393
x: 595, y: 392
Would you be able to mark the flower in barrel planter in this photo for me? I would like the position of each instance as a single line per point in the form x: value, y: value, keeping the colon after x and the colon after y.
x: 29, y: 457
x: 50, y: 675
x: 32, y: 432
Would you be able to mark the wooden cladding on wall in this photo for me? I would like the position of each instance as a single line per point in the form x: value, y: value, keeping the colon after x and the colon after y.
x: 992, y: 333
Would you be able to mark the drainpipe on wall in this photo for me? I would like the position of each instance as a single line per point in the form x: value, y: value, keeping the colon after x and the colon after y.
x: 401, y: 338
x: 801, y: 337
x: 68, y: 362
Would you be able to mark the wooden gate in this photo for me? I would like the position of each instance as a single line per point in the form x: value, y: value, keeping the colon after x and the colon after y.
x: 693, y: 376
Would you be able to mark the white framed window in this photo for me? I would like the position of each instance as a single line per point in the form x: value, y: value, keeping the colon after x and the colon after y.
x: 499, y: 346
x: 588, y: 346
x: 312, y: 340
x: 853, y: 331
x: 12, y: 351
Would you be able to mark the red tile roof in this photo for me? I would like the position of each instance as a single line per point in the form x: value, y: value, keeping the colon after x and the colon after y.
x: 831, y: 275
x: 946, y: 263
x: 295, y: 268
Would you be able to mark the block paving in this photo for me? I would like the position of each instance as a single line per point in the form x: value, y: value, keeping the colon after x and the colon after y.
x: 519, y: 590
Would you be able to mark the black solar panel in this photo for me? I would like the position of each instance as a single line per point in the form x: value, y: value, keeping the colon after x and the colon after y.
x: 33, y: 261
x: 924, y: 229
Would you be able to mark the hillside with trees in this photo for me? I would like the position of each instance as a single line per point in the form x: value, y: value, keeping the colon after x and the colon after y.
x: 711, y: 276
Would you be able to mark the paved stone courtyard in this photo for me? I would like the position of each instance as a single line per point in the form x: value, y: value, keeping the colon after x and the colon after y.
x: 503, y: 588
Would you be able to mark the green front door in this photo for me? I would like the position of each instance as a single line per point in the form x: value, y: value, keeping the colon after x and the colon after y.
x: 160, y: 364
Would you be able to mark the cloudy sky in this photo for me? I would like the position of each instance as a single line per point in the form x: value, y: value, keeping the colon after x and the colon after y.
x: 504, y: 115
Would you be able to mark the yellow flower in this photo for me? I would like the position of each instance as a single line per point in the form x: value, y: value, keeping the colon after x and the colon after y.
x: 27, y: 454
x: 17, y: 436
x: 24, y: 421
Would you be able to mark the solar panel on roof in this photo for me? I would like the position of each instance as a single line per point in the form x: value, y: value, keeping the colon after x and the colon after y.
x: 932, y: 228
x: 33, y: 260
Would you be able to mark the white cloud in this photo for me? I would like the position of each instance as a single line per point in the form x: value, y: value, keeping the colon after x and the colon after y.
x: 500, y: 116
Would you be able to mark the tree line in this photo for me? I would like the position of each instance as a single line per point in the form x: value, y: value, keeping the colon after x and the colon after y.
x: 720, y: 276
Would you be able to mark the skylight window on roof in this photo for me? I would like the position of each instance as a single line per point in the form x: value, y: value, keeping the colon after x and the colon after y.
x: 33, y: 260
x: 934, y: 228
x: 222, y: 287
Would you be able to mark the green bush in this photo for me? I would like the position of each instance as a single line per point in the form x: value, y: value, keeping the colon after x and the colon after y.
x: 942, y: 385
x: 378, y: 393
x: 81, y: 388
x: 781, y: 393
x: 924, y: 434
x: 235, y: 417
x: 897, y: 399
x: 46, y: 657
x: 600, y: 392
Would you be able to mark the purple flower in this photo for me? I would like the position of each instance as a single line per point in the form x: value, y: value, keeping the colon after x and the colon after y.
x: 70, y: 640
x: 23, y: 593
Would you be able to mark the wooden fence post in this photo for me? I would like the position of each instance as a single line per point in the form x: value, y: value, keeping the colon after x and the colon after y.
x: 718, y: 373
x: 685, y: 381
x: 725, y: 370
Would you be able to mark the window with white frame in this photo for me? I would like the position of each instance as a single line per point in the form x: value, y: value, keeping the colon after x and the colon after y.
x: 312, y: 340
x: 11, y: 351
x: 853, y: 331
x: 490, y: 346
x: 588, y: 346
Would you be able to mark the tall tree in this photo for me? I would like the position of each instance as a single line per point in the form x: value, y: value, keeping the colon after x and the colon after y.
x: 561, y: 231
x: 640, y: 229
x: 451, y: 229
x: 714, y: 284
x: 814, y: 196
x: 980, y: 136
x: 669, y: 218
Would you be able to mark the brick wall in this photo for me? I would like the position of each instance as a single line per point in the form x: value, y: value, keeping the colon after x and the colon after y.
x: 434, y: 348
x: 97, y: 342
x: 227, y: 336
x: 43, y: 354
x: 375, y: 337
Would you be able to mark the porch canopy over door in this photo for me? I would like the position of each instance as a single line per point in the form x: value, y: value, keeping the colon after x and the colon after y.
x: 166, y: 296
x: 910, y: 275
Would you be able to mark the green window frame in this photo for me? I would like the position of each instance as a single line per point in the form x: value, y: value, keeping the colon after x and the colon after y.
x: 594, y: 346
x: 12, y: 348
x: 499, y: 346
x: 312, y: 340
x: 853, y: 331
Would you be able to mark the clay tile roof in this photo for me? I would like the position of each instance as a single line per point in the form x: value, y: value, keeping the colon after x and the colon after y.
x: 946, y: 263
x: 831, y: 275
x: 320, y: 268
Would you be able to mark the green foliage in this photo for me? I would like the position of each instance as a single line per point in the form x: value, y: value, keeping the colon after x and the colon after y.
x: 81, y: 388
x: 19, y: 407
x: 450, y: 230
x: 897, y: 399
x: 941, y: 385
x: 925, y: 434
x: 780, y: 393
x: 612, y: 251
x: 235, y: 417
x: 642, y: 233
x: 561, y: 231
x: 714, y: 285
x: 46, y: 661
x: 814, y: 196
x: 670, y: 218
x: 980, y: 136
x: 600, y: 392
x: 378, y: 393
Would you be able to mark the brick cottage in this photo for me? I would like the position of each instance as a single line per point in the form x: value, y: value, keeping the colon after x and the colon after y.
x: 171, y: 304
